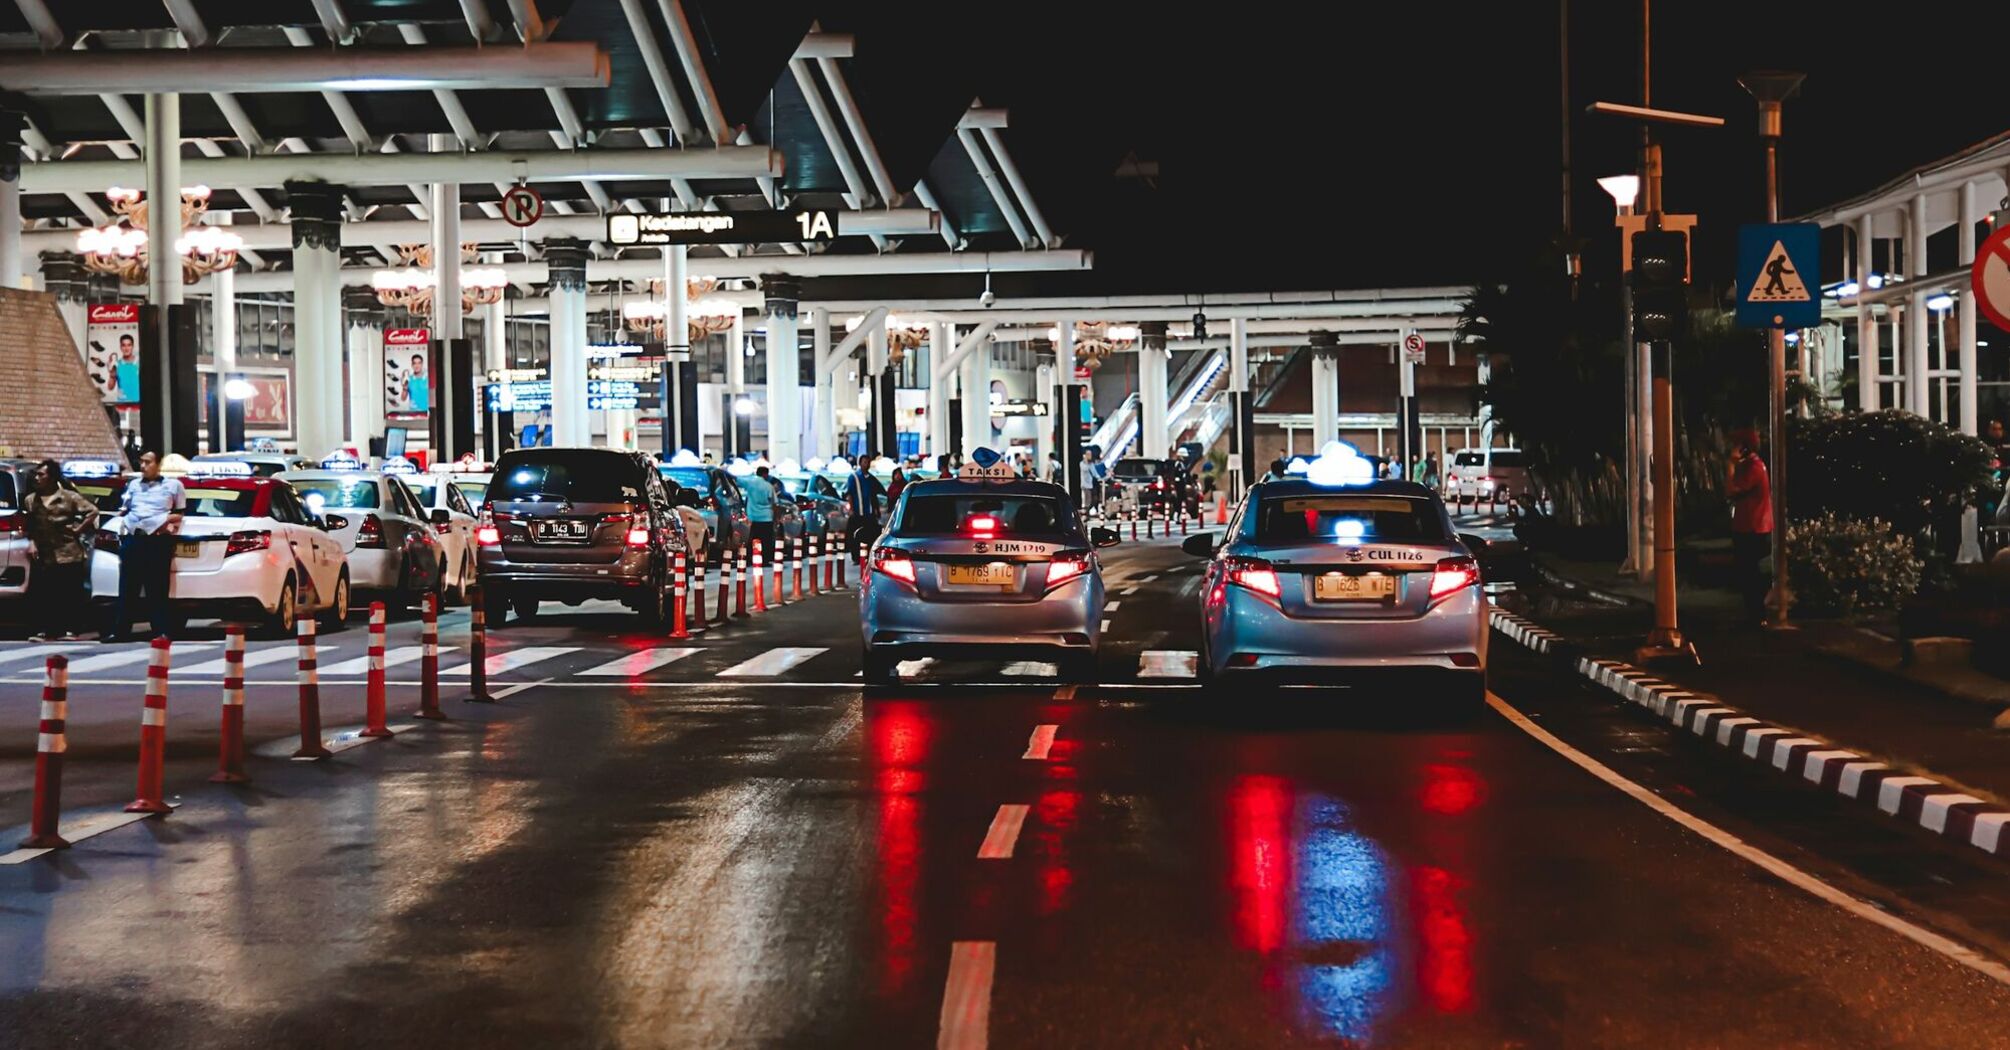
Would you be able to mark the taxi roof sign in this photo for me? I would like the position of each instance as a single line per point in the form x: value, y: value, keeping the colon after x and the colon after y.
x: 400, y: 465
x: 219, y: 468
x: 987, y: 465
x: 93, y: 468
x: 341, y: 461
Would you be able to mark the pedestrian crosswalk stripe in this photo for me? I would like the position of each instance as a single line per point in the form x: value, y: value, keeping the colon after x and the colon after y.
x: 138, y: 655
x: 1032, y: 669
x: 256, y: 658
x: 403, y: 654
x: 516, y: 658
x: 773, y: 662
x: 1167, y: 663
x: 41, y: 649
x: 639, y: 662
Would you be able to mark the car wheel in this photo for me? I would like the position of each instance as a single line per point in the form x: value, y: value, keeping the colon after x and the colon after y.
x: 280, y: 623
x: 881, y: 669
x: 465, y: 586
x: 654, y: 607
x: 526, y: 608
x: 1079, y: 668
x: 337, y: 612
x: 495, y: 607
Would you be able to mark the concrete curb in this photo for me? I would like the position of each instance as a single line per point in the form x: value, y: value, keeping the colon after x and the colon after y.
x: 1584, y: 590
x: 1919, y: 800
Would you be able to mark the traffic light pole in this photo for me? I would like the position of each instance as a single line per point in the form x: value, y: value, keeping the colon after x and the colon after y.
x: 1665, y: 640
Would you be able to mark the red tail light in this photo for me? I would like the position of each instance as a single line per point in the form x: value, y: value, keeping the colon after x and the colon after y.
x: 895, y: 564
x: 1454, y: 575
x: 983, y: 525
x: 10, y: 523
x: 1063, y: 569
x: 246, y: 542
x: 487, y: 533
x: 370, y: 533
x: 1254, y: 574
x: 638, y: 532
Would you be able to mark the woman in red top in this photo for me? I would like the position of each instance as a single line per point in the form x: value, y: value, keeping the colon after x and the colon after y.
x: 1751, y: 494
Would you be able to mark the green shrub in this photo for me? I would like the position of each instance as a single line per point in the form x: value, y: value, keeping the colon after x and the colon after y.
x: 1893, y: 466
x: 1848, y: 566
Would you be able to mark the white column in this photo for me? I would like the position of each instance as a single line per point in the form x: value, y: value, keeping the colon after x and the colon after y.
x: 223, y: 313
x: 446, y: 215
x: 1043, y: 427
x: 1867, y: 396
x: 570, y: 421
x: 974, y: 387
x: 1064, y: 372
x: 1153, y: 399
x: 12, y: 272
x: 1325, y: 390
x: 941, y: 343
x: 163, y: 169
x: 1969, y: 214
x: 824, y: 431
x: 495, y: 336
x: 676, y: 342
x: 366, y: 383
x: 1917, y: 386
x: 785, y: 414
x: 316, y: 209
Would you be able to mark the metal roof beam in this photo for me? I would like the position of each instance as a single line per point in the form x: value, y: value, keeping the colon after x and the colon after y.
x: 825, y: 265
x: 477, y: 14
x: 274, y: 69
x: 381, y: 169
x: 529, y: 24
x: 854, y: 121
x: 659, y: 69
x: 992, y: 183
x: 1018, y: 185
x: 48, y: 32
x: 927, y: 197
x: 189, y: 22
x: 980, y: 117
x: 333, y: 21
x: 834, y: 140
x: 686, y: 44
x: 822, y: 45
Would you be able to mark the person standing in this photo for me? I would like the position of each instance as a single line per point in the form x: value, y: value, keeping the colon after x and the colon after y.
x: 150, y: 512
x: 894, y: 485
x: 1750, y: 492
x: 760, y: 494
x: 60, y: 523
x: 1430, y: 472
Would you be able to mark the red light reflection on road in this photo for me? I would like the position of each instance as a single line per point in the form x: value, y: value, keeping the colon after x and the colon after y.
x: 1451, y: 790
x: 1054, y: 817
x: 1259, y: 842
x: 1444, y: 942
x: 897, y: 737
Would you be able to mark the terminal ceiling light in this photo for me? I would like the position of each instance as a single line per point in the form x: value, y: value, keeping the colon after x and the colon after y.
x: 409, y: 285
x: 120, y: 248
x: 902, y: 335
x: 1096, y: 340
x: 705, y: 313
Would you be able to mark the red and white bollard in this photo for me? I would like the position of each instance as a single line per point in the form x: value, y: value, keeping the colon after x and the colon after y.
x: 813, y: 547
x: 760, y: 581
x: 230, y: 743
x: 678, y: 629
x: 739, y: 582
x: 153, y: 734
x: 830, y: 561
x: 50, y: 744
x: 311, y: 746
x: 429, y: 662
x: 796, y: 569
x: 478, y: 655
x: 373, y: 681
x: 844, y: 558
x: 698, y: 596
x: 776, y: 560
x: 1134, y: 524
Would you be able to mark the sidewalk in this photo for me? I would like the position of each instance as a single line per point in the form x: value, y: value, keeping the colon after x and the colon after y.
x: 1832, y: 686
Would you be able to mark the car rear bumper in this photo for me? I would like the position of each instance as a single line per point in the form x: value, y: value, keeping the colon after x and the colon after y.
x: 1249, y: 636
x: 373, y: 570
x: 1070, y: 617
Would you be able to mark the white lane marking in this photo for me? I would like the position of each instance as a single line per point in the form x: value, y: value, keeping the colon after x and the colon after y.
x: 1167, y: 663
x: 403, y: 654
x: 1106, y: 626
x: 79, y: 829
x: 1031, y: 668
x: 516, y: 658
x: 1757, y: 857
x: 1147, y: 579
x: 1111, y: 606
x: 965, y: 1023
x: 773, y: 662
x: 911, y: 668
x: 129, y: 656
x: 44, y: 649
x: 640, y: 662
x: 353, y: 736
x: 504, y: 694
x: 1004, y: 833
x: 260, y: 657
x: 1128, y: 590
x: 1041, y: 742
x: 1066, y: 692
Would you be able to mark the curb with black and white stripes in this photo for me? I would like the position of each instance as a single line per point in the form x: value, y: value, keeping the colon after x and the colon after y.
x: 1914, y: 799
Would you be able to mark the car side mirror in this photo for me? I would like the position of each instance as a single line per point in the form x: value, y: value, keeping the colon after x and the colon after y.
x: 1103, y: 537
x: 333, y: 523
x: 1200, y: 545
x: 1473, y: 543
x: 441, y: 516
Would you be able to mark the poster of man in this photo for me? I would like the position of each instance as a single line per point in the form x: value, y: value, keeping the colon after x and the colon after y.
x: 407, y: 381
x: 113, y: 335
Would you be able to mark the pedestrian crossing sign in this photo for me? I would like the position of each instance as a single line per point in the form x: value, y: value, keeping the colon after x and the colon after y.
x: 1779, y: 278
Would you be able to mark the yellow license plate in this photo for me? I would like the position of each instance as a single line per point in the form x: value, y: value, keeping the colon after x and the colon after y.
x: 996, y: 574
x: 1340, y: 587
x: 188, y: 549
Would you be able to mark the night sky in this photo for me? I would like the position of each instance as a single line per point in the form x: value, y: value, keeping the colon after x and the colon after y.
x: 1353, y: 145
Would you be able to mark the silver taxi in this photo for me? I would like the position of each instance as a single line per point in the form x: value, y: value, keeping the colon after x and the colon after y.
x: 982, y: 565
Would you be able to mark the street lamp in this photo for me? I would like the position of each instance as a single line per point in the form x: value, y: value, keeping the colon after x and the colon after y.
x: 1624, y: 191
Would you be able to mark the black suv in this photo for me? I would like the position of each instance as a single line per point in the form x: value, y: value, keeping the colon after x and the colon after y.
x: 570, y: 524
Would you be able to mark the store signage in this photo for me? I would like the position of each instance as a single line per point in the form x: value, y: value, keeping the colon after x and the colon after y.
x: 723, y: 227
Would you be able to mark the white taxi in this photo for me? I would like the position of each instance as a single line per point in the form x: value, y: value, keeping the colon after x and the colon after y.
x: 248, y: 551
x: 451, y: 516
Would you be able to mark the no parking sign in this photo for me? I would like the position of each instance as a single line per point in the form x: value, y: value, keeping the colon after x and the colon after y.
x: 1991, y: 278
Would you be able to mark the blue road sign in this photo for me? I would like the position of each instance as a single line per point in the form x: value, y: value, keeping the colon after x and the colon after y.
x: 1779, y: 275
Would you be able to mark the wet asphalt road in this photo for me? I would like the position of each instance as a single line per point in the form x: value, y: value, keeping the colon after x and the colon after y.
x: 695, y: 858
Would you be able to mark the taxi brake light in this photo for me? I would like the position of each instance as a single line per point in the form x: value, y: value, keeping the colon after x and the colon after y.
x: 370, y: 533
x: 488, y: 536
x: 1254, y: 574
x: 248, y: 541
x: 1061, y: 570
x: 984, y: 525
x: 638, y: 532
x: 10, y: 523
x: 894, y: 564
x: 1453, y: 575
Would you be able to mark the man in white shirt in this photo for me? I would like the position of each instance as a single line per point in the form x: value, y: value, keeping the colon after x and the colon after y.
x: 151, y: 509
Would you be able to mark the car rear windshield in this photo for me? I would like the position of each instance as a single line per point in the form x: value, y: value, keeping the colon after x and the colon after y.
x: 1507, y: 459
x: 347, y: 494
x: 103, y: 493
x: 475, y: 491
x: 566, y: 475
x: 219, y: 503
x: 952, y: 514
x: 7, y: 490
x: 697, y: 479
x: 1469, y: 459
x: 425, y: 488
x: 1349, y: 518
x: 1135, y: 467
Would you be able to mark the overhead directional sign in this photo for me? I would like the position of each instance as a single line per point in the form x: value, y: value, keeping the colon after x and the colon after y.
x: 1779, y: 275
x: 522, y: 206
x: 1992, y: 278
x: 723, y: 227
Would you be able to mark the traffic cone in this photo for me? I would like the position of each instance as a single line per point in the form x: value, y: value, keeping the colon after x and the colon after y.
x: 478, y: 655
x: 50, y: 744
x: 230, y: 745
x: 678, y: 629
x: 760, y: 581
x: 373, y: 682
x: 429, y: 661
x: 310, y: 693
x: 1220, y: 509
x: 153, y: 734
